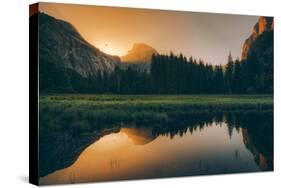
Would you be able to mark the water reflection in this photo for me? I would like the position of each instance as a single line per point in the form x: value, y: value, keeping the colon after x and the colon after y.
x: 226, y: 143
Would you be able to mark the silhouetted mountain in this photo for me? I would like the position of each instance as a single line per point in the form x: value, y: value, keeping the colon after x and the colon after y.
x: 64, y: 54
x: 261, y: 30
x: 138, y: 58
x: 60, y: 38
x: 258, y: 55
x: 68, y: 63
x: 140, y: 53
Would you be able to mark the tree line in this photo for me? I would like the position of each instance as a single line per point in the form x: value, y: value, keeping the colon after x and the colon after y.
x: 168, y: 74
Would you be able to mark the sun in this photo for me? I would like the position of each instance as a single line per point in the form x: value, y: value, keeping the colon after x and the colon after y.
x: 110, y: 48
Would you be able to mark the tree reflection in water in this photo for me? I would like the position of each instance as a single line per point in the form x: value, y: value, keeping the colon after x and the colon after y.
x: 255, y: 128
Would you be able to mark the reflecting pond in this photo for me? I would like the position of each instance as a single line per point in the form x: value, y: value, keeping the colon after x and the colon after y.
x: 228, y: 144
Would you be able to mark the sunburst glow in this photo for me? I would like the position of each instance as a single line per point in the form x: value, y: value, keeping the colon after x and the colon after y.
x: 110, y: 48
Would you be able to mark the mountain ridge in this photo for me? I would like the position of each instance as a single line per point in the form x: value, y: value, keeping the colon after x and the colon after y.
x: 139, y: 53
x: 60, y: 38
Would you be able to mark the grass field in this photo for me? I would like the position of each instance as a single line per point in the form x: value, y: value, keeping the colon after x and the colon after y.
x: 82, y: 111
x: 160, y: 102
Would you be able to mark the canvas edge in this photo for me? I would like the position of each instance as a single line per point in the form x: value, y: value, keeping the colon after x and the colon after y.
x: 33, y: 97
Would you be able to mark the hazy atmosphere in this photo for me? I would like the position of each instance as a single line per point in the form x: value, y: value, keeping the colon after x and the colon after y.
x: 114, y: 30
x: 160, y: 97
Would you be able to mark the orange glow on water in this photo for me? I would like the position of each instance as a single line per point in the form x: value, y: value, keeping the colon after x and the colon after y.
x: 134, y: 153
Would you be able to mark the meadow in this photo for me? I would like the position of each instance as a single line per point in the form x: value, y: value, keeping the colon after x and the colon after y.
x: 81, y: 111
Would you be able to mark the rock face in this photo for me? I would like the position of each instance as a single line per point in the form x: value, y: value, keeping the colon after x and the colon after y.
x: 262, y: 152
x: 257, y: 57
x: 139, y: 67
x: 264, y: 26
x: 140, y: 53
x: 62, y: 42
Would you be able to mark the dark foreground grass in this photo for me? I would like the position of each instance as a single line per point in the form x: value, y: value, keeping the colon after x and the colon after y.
x: 159, y: 103
x: 81, y: 112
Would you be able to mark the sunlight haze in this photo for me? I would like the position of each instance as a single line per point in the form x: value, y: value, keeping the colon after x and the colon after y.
x: 115, y: 30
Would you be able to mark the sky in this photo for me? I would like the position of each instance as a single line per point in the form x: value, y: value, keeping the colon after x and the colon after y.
x: 114, y: 30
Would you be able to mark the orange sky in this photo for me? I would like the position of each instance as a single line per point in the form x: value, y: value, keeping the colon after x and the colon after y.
x: 114, y: 30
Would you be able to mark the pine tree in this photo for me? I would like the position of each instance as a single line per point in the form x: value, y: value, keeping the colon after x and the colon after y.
x: 229, y: 73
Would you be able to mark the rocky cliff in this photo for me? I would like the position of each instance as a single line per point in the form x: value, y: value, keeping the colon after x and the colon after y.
x: 60, y: 40
x: 140, y: 53
x: 264, y: 26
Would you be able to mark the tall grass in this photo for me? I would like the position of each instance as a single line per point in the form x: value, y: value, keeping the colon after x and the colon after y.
x: 80, y: 113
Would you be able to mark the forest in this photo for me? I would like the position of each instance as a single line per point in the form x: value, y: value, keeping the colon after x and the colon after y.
x: 168, y: 74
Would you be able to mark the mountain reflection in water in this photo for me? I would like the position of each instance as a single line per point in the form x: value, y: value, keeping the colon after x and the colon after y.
x: 229, y: 144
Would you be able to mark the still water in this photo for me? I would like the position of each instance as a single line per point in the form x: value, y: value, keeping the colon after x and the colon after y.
x: 137, y: 152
